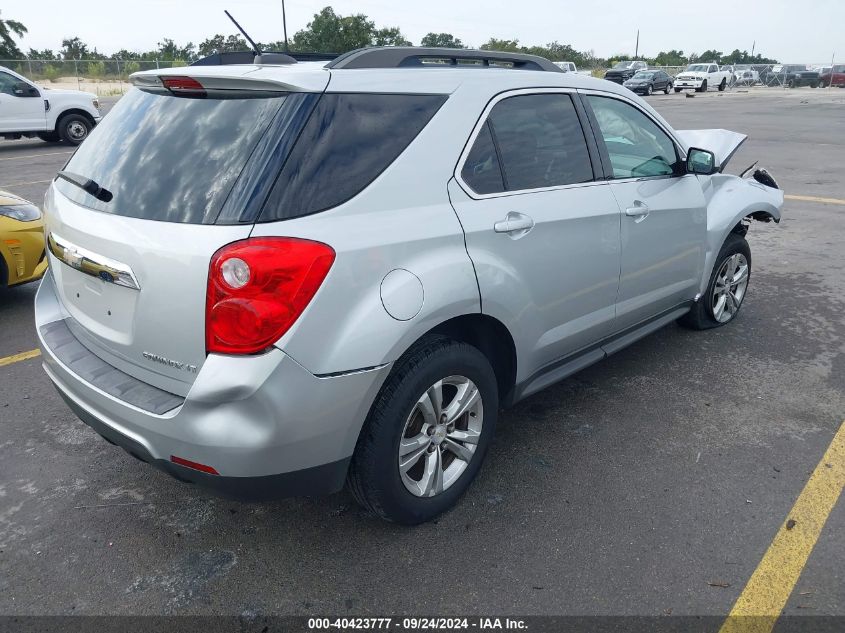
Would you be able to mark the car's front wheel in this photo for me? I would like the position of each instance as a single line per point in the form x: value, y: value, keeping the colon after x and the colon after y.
x: 427, y: 433
x: 725, y: 293
x: 703, y: 87
x: 74, y: 128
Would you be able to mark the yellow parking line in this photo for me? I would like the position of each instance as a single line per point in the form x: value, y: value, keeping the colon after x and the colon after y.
x: 815, y: 199
x: 10, y: 360
x: 36, y: 155
x: 764, y: 597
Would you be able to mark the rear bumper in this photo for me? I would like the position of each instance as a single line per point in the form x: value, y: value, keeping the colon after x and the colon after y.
x: 266, y: 425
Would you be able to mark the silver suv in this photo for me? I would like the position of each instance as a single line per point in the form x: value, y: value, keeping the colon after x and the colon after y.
x: 274, y: 278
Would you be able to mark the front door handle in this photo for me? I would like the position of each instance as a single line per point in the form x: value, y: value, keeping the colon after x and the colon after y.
x: 515, y: 224
x: 639, y: 211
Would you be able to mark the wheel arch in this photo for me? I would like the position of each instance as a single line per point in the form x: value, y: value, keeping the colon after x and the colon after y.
x: 733, y: 202
x: 79, y: 111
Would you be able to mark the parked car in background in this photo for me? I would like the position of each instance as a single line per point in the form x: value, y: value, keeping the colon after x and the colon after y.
x: 700, y: 77
x: 834, y: 76
x: 792, y: 76
x: 229, y: 301
x: 51, y: 115
x: 745, y: 75
x: 646, y: 82
x: 22, y: 256
x: 567, y: 67
x: 623, y: 71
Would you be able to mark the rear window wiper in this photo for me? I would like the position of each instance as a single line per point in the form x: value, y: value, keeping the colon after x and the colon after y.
x: 87, y: 185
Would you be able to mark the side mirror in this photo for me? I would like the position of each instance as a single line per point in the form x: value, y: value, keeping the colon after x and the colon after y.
x: 22, y: 89
x: 701, y: 161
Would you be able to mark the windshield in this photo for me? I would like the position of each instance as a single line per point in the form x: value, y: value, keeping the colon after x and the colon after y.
x: 168, y: 158
x: 643, y: 75
x: 622, y: 65
x: 698, y: 68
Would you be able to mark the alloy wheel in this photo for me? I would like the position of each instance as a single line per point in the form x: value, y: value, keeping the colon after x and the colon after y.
x: 729, y: 289
x: 440, y: 436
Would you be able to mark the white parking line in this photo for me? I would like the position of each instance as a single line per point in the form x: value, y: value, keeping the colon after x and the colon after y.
x: 36, y: 155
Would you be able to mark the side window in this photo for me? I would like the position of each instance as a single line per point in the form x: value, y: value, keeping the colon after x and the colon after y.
x: 481, y: 170
x: 349, y: 140
x: 7, y: 83
x: 540, y: 142
x: 636, y: 145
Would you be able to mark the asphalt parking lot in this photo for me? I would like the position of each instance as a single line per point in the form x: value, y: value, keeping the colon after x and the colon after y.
x: 650, y: 484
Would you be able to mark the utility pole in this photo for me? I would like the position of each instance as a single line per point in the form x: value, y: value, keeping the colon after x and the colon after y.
x: 637, y: 51
x: 753, y: 46
x: 285, y: 26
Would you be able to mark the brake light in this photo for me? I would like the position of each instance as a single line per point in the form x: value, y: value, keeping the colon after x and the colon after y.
x: 258, y: 288
x: 183, y: 85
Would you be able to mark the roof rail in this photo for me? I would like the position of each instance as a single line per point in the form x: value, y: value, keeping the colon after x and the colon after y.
x: 417, y: 56
x: 266, y: 57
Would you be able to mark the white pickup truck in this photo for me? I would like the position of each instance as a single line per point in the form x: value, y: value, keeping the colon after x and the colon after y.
x: 700, y: 77
x: 51, y: 115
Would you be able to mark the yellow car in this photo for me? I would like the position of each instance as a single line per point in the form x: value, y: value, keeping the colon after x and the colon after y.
x: 22, y: 257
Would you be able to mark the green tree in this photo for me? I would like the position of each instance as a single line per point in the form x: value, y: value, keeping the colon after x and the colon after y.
x: 710, y: 55
x: 75, y: 48
x: 329, y: 32
x: 508, y: 46
x: 390, y: 36
x: 670, y: 58
x: 8, y: 48
x: 46, y: 54
x: 222, y: 44
x: 168, y: 50
x: 441, y: 40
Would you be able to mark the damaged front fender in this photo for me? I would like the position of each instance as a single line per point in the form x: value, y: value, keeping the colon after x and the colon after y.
x: 730, y: 201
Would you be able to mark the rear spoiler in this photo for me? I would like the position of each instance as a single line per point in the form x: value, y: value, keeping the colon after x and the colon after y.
x: 235, y: 58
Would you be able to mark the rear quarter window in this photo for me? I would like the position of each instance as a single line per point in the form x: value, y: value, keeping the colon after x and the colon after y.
x: 348, y: 141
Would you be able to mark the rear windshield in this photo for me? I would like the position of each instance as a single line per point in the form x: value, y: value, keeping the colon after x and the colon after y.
x: 168, y: 158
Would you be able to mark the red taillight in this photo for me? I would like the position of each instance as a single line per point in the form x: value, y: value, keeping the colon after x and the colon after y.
x: 187, y: 463
x: 257, y: 289
x: 185, y: 85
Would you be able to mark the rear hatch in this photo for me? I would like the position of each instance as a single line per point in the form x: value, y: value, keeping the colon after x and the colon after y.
x: 183, y: 171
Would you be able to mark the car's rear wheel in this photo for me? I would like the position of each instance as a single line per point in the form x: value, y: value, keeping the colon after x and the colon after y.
x: 74, y: 128
x: 427, y: 433
x: 50, y: 137
x: 726, y: 291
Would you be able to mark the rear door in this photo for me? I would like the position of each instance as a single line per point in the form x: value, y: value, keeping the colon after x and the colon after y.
x: 664, y: 217
x: 541, y: 229
x: 21, y: 105
x: 181, y: 171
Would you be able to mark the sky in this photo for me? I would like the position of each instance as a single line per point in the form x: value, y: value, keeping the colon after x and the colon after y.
x: 806, y: 32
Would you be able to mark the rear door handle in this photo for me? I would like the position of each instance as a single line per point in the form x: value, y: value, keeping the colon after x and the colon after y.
x: 639, y: 211
x: 515, y: 224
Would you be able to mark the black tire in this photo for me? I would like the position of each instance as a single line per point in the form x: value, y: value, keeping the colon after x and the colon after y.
x: 822, y: 85
x: 668, y: 88
x: 791, y: 83
x: 649, y: 90
x: 50, y: 137
x: 814, y: 85
x: 703, y: 86
x: 701, y: 317
x: 74, y: 128
x: 723, y: 85
x: 677, y: 89
x: 373, y: 477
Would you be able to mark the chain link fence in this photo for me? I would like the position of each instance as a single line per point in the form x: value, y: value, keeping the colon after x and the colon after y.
x: 103, y: 77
